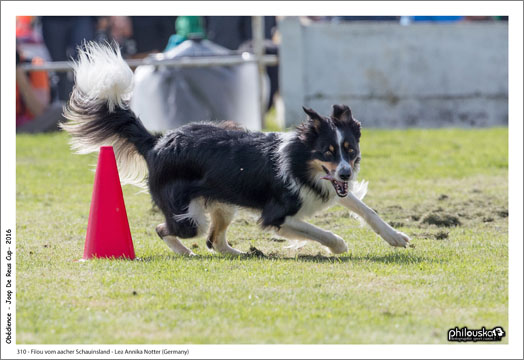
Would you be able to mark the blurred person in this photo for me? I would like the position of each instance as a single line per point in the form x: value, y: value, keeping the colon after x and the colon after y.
x: 232, y: 31
x: 24, y: 28
x: 62, y: 35
x: 29, y: 41
x: 137, y: 36
x: 228, y: 31
x: 151, y: 33
x: 120, y: 29
x: 32, y: 91
x: 186, y: 27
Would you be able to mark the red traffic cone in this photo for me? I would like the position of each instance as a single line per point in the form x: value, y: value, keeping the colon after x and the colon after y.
x: 108, y: 233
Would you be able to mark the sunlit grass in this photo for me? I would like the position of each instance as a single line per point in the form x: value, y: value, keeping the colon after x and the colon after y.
x: 373, y: 294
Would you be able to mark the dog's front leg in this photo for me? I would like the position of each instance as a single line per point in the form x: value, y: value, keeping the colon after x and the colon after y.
x: 392, y: 236
x: 300, y: 230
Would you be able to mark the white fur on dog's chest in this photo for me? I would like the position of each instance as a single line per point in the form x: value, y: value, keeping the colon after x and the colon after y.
x: 312, y: 203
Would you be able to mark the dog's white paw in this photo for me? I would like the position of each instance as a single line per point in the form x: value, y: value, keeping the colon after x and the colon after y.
x: 396, y: 238
x: 225, y: 249
x: 339, y: 247
x: 176, y: 246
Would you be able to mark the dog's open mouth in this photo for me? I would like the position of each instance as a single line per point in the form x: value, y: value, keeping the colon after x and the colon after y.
x: 341, y: 187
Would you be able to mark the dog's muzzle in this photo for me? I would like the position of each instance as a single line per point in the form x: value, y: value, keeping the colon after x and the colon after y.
x: 341, y: 186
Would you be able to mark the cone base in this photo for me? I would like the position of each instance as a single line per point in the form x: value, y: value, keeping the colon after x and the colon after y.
x: 86, y: 258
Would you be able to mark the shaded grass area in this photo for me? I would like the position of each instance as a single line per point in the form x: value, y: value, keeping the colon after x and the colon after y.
x: 455, y: 276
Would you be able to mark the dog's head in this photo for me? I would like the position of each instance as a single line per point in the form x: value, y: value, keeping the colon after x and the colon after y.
x: 334, y: 145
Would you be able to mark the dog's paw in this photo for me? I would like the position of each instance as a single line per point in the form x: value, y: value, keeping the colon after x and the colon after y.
x: 225, y: 249
x: 396, y: 238
x: 339, y: 247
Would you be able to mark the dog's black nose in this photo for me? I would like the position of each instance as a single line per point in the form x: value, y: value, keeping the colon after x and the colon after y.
x: 344, y: 174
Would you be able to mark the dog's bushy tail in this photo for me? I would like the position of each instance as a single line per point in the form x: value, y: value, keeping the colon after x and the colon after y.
x: 98, y: 111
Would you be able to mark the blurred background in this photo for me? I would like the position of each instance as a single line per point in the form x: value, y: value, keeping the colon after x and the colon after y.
x: 394, y: 71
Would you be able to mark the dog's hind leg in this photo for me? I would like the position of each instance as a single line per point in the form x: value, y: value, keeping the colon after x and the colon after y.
x: 300, y: 230
x: 221, y: 217
x: 185, y: 216
x: 172, y: 241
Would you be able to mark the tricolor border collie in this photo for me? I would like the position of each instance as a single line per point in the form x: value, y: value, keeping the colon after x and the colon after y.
x: 201, y: 173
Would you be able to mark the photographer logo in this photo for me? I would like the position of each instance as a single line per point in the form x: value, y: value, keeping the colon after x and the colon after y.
x: 465, y: 334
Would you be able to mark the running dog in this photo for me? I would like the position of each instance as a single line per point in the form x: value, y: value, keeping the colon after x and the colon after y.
x: 201, y: 173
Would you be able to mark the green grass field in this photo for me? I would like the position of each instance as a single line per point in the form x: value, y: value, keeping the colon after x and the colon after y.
x: 455, y: 276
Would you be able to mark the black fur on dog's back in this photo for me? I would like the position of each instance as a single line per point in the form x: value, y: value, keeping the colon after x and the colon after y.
x: 223, y: 164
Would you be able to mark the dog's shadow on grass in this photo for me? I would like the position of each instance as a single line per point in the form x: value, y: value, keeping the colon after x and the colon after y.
x: 391, y: 258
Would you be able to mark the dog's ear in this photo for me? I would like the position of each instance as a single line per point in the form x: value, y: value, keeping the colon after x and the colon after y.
x: 355, y: 127
x: 342, y: 115
x: 311, y: 127
x: 314, y: 118
x: 311, y: 113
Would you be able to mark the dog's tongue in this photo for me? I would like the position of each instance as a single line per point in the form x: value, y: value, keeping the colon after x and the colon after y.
x: 328, y: 177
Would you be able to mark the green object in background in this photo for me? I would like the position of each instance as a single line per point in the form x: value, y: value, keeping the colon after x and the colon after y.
x: 186, y: 27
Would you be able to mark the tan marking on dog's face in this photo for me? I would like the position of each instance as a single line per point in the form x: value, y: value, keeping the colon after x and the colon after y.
x: 331, y: 148
x: 352, y: 163
x: 317, y: 166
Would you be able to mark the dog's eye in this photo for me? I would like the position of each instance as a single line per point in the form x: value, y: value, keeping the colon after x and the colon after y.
x: 328, y: 153
x: 348, y: 149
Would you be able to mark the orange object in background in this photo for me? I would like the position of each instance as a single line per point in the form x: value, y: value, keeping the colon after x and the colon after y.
x: 39, y: 81
x: 24, y: 28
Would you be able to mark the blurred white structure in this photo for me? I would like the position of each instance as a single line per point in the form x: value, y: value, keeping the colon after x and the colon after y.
x: 166, y: 97
x: 423, y: 74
